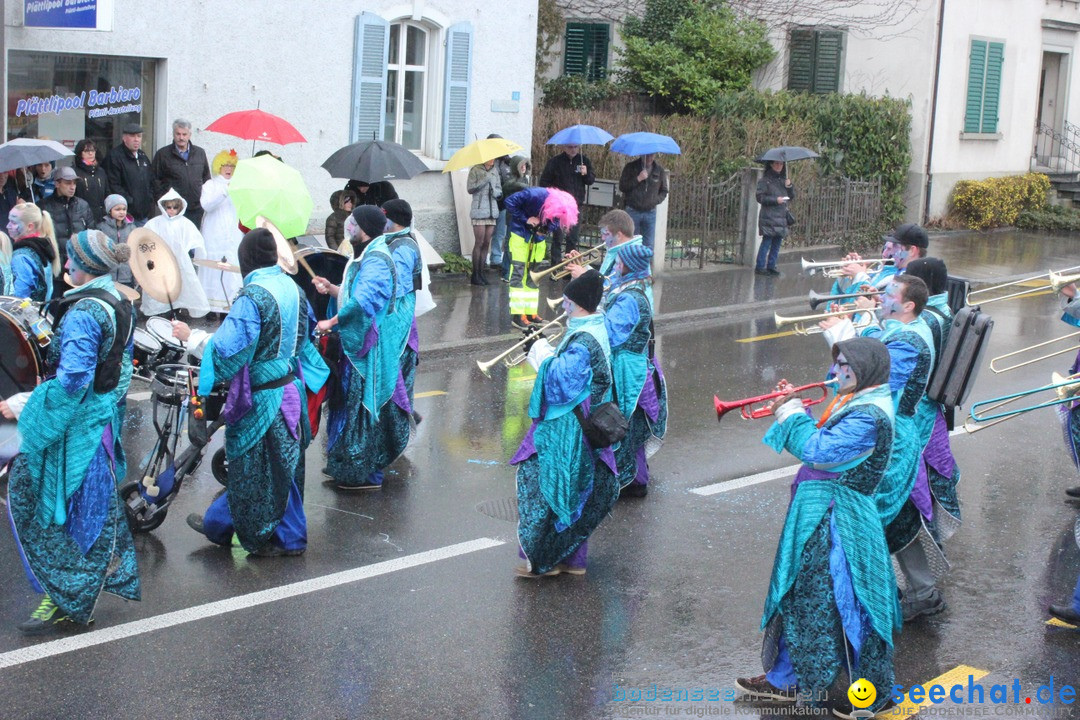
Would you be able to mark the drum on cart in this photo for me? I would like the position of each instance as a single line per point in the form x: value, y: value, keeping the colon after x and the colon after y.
x: 324, y: 263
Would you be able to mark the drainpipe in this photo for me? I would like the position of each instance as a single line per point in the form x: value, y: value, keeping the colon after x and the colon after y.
x: 933, y: 112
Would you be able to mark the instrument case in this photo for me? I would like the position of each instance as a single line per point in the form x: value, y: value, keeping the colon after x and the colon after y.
x: 961, y: 357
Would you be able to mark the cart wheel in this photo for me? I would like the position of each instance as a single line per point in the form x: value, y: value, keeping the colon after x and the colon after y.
x: 136, y: 509
x: 219, y: 465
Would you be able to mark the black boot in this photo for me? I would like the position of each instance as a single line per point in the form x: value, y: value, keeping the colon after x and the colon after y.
x: 483, y: 278
x: 474, y: 279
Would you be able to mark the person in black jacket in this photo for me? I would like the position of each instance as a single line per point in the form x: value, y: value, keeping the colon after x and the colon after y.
x: 571, y: 171
x: 70, y: 214
x: 93, y: 185
x: 128, y: 169
x: 183, y: 167
x: 774, y: 191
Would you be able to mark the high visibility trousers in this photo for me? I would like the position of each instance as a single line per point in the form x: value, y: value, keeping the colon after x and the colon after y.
x: 524, y: 295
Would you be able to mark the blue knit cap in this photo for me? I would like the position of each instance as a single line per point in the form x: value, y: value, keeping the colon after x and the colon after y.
x: 636, y: 258
x: 96, y: 253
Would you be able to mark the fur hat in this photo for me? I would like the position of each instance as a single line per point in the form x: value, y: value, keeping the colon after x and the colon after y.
x: 586, y: 290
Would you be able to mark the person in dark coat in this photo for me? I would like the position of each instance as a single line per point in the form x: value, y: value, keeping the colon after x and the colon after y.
x: 9, y: 192
x: 342, y: 203
x: 643, y: 183
x: 183, y: 167
x: 93, y: 184
x: 774, y: 192
x: 70, y: 214
x: 375, y: 193
x: 571, y: 171
x: 128, y: 169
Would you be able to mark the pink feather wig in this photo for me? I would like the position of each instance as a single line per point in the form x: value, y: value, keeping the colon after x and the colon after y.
x: 561, y: 207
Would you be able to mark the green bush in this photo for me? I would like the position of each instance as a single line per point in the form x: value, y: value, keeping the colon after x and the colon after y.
x: 998, y: 201
x: 455, y: 263
x: 572, y: 91
x: 1049, y: 218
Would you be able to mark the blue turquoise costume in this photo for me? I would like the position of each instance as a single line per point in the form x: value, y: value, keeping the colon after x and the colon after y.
x: 639, y: 383
x: 844, y: 286
x: 370, y: 422
x: 407, y: 266
x: 564, y: 486
x: 263, y: 350
x: 1070, y: 412
x: 31, y: 270
x: 607, y: 266
x: 63, y: 504
x: 832, y: 597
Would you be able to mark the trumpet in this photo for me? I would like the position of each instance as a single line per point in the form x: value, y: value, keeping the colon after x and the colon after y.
x: 554, y: 303
x: 1054, y: 282
x: 817, y: 298
x: 834, y: 268
x: 508, y: 357
x: 560, y: 271
x: 807, y: 324
x: 1066, y: 388
x: 746, y: 406
x: 994, y: 362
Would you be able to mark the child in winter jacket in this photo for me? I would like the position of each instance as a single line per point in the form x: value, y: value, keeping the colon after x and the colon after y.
x: 117, y: 224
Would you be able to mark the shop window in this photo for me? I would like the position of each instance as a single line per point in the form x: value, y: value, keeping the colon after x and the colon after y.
x: 815, y: 58
x: 984, y: 86
x: 67, y: 97
x: 397, y: 83
x: 586, y: 53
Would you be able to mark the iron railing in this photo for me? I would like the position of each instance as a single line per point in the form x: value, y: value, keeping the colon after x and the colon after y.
x: 704, y: 221
x: 834, y: 209
x: 1057, y: 151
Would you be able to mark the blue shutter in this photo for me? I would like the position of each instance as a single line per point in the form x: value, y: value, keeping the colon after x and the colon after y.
x: 995, y: 57
x: 372, y: 44
x: 455, y: 130
x: 973, y: 111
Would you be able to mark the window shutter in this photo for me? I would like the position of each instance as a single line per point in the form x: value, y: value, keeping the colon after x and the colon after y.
x: 976, y: 77
x: 597, y: 44
x: 995, y: 57
x: 372, y: 44
x: 455, y: 132
x: 574, y: 57
x: 827, y: 58
x: 801, y: 61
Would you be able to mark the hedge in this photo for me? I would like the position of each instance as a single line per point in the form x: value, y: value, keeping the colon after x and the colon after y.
x: 998, y: 201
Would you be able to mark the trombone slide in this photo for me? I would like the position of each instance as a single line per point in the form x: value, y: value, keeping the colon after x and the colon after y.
x: 1065, y: 388
x: 1029, y: 348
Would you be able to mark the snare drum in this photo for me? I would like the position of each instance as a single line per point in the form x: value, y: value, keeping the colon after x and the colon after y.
x: 325, y: 263
x: 146, y: 351
x: 171, y: 351
x: 22, y: 339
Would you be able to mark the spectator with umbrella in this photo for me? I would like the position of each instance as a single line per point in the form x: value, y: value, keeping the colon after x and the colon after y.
x: 572, y: 172
x: 643, y: 182
x: 41, y: 183
x: 342, y: 203
x: 774, y: 192
x: 486, y: 189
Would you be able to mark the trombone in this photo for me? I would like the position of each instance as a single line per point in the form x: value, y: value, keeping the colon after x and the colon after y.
x: 994, y: 362
x: 817, y: 298
x: 807, y: 324
x: 508, y: 357
x: 1065, y: 387
x: 748, y: 412
x: 834, y: 268
x: 1054, y: 281
x: 560, y: 271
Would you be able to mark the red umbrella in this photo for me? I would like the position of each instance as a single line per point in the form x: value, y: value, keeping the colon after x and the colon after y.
x: 257, y: 125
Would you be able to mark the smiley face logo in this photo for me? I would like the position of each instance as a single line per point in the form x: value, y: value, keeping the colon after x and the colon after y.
x: 862, y: 693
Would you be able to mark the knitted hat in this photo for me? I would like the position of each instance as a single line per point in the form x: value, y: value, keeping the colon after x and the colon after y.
x: 911, y: 234
x: 398, y: 211
x: 586, y: 290
x: 371, y: 220
x: 114, y: 200
x: 225, y: 157
x: 258, y: 249
x: 636, y: 258
x: 95, y: 253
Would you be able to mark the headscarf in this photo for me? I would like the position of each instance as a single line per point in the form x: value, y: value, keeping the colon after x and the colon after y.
x: 868, y: 359
x: 258, y: 249
x: 95, y: 253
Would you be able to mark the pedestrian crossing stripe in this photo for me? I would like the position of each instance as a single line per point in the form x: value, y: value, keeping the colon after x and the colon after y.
x: 957, y: 676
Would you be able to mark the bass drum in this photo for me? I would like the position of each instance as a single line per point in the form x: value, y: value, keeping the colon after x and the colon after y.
x: 325, y: 263
x: 23, y: 334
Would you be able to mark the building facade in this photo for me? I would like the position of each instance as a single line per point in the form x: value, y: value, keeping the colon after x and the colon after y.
x: 430, y: 74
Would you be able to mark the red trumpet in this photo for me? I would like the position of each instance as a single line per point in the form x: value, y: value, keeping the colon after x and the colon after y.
x: 749, y: 412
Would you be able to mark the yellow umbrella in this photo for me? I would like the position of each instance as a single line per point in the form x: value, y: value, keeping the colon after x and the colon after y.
x: 479, y: 152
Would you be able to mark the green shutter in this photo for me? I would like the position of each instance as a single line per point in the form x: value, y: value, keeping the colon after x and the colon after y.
x: 586, y: 53
x: 574, y: 55
x: 995, y: 56
x: 827, y: 55
x: 973, y: 113
x: 801, y: 61
x: 597, y: 45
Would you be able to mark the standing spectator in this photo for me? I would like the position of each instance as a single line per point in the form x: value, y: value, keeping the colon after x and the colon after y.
x: 221, y: 232
x: 186, y: 242
x: 41, y: 184
x: 117, y: 225
x: 375, y: 193
x: 93, y: 185
x: 643, y: 184
x: 9, y: 192
x: 498, y: 240
x: 520, y: 172
x: 182, y: 167
x: 342, y: 203
x: 570, y: 171
x: 128, y: 168
x: 486, y: 189
x: 774, y: 190
x: 70, y: 214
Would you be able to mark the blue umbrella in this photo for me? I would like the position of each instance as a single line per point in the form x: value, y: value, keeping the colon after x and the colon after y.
x: 581, y: 135
x: 645, y: 143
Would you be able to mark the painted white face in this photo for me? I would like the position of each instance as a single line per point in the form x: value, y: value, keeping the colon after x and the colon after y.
x: 568, y: 306
x: 16, y: 228
x: 892, y: 301
x: 845, y: 375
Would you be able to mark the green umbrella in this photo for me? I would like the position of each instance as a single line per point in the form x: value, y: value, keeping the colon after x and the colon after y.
x: 268, y: 187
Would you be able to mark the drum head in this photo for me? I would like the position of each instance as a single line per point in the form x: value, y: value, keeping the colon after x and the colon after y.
x: 20, y: 366
x: 326, y: 263
x: 146, y: 341
x: 154, y: 265
x: 161, y: 329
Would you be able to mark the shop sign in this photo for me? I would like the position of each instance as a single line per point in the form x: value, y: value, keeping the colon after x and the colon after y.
x: 61, y: 13
x: 117, y: 100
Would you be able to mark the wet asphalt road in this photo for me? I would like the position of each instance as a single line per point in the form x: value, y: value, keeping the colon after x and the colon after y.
x: 675, y: 585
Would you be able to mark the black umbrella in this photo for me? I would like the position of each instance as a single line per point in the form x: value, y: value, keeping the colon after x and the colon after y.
x: 786, y: 153
x: 370, y: 161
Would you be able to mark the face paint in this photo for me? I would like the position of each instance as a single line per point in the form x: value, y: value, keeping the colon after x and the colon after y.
x: 352, y: 229
x: 568, y: 306
x: 888, y: 251
x: 607, y: 237
x: 15, y: 226
x: 844, y: 374
x: 891, y: 302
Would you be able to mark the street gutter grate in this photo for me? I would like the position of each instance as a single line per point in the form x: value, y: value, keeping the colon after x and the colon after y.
x: 502, y: 509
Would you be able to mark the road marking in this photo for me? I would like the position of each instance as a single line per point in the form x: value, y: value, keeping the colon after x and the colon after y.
x: 240, y: 602
x: 771, y: 336
x: 429, y: 393
x: 957, y: 676
x: 1061, y: 624
x: 136, y: 397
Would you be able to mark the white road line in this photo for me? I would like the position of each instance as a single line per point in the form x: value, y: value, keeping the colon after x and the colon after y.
x: 240, y: 602
x: 747, y: 481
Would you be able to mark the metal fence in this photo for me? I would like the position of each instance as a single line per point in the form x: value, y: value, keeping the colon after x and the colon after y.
x: 704, y: 221
x: 830, y: 210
